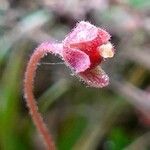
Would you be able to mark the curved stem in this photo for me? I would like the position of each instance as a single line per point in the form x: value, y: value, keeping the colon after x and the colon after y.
x: 28, y: 89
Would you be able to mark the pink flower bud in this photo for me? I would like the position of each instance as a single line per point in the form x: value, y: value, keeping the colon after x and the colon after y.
x: 84, y: 49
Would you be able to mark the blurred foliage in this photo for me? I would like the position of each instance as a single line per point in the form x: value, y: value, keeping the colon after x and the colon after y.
x: 79, y: 117
x: 70, y: 131
x: 139, y: 3
x: 118, y: 139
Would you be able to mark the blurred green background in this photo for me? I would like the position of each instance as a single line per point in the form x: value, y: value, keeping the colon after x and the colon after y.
x: 80, y: 118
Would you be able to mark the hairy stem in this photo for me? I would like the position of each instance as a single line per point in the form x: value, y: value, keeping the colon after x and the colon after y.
x: 28, y: 89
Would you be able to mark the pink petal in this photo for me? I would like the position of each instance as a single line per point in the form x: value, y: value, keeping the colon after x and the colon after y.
x: 86, y: 37
x: 77, y: 60
x: 83, y: 32
x: 103, y: 35
x: 95, y: 77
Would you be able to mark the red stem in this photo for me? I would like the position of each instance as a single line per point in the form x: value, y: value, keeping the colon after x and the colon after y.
x: 28, y: 89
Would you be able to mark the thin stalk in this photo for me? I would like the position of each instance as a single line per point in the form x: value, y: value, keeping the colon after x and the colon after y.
x: 31, y: 103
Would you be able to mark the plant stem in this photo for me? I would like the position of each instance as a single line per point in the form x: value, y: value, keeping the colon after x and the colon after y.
x: 31, y: 103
